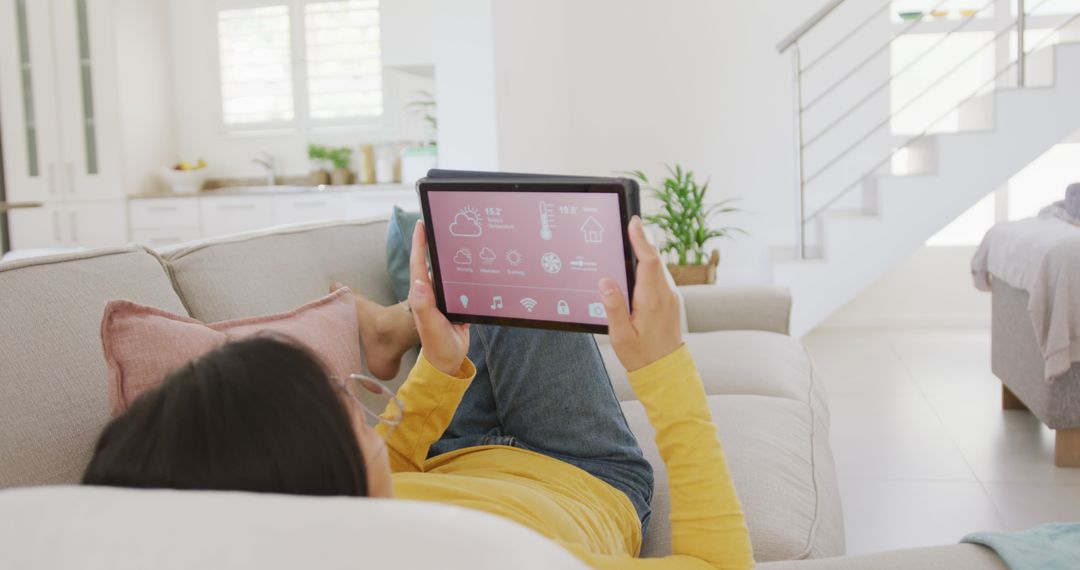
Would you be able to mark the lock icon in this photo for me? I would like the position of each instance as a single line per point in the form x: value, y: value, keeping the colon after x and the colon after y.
x: 563, y: 308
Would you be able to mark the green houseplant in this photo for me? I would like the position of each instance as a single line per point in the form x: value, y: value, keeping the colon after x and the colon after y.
x: 341, y: 158
x: 317, y: 154
x: 684, y: 216
x: 425, y: 108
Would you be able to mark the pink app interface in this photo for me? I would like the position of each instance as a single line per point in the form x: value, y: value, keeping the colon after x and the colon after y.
x: 528, y: 255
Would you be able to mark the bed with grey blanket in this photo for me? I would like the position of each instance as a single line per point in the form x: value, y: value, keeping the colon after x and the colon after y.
x: 1040, y: 256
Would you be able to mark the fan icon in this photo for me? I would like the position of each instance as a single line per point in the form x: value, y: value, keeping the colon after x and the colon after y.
x: 551, y: 262
x: 513, y: 257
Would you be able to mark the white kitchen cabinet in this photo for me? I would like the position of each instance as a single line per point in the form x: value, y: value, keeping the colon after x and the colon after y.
x: 231, y: 214
x: 97, y: 223
x: 27, y: 102
x: 165, y: 237
x: 59, y: 119
x: 361, y: 204
x: 161, y: 222
x: 36, y: 228
x: 295, y: 208
x: 164, y: 213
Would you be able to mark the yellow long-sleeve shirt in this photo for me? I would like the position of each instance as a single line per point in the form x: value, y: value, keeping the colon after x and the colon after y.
x: 592, y: 519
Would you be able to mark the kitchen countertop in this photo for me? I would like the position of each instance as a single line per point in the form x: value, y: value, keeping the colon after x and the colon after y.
x: 278, y: 190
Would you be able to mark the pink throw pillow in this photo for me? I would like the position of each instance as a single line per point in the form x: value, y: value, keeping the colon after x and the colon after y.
x: 143, y: 344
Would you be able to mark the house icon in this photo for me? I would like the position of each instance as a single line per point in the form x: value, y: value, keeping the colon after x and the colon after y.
x: 594, y: 232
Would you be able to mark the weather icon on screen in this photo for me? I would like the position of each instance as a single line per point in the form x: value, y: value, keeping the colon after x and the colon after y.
x: 463, y: 257
x: 487, y: 255
x: 466, y: 223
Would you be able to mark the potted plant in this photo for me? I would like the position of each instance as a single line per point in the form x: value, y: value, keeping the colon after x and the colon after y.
x: 684, y: 217
x: 319, y: 159
x: 340, y: 157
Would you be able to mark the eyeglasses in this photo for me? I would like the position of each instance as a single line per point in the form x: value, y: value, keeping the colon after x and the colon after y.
x: 372, y: 395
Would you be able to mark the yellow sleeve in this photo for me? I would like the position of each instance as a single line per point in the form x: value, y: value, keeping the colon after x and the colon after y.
x: 430, y: 398
x: 708, y: 529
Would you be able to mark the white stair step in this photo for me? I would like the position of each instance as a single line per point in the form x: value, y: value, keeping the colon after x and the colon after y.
x: 952, y: 172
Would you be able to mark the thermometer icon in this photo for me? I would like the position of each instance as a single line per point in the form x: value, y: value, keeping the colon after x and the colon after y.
x: 546, y: 211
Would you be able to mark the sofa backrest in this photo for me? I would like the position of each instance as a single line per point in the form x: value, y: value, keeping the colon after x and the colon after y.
x: 53, y: 399
x: 95, y: 528
x: 279, y: 269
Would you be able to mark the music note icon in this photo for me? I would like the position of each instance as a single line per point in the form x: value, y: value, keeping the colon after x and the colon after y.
x: 496, y: 303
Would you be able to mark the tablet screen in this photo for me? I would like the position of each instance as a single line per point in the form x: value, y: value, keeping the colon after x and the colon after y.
x: 536, y: 256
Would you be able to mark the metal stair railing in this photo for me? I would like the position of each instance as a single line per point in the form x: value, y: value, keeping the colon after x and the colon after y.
x: 792, y: 43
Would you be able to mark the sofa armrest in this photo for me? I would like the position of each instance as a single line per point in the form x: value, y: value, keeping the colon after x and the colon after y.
x: 966, y: 556
x: 750, y: 307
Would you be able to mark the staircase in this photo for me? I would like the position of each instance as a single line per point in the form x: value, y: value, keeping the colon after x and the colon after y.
x: 864, y: 229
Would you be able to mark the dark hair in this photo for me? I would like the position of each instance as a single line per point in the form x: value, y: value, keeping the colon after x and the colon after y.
x: 256, y: 415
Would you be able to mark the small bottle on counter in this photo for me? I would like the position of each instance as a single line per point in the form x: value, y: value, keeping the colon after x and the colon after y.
x: 367, y: 164
x: 384, y: 164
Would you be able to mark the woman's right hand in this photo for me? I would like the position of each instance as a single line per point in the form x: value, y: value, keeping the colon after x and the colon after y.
x: 445, y: 345
x: 653, y: 330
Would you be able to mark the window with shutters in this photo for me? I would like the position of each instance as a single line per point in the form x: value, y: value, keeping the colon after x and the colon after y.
x: 298, y: 64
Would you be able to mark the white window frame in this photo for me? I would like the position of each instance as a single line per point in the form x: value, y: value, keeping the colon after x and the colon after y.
x: 302, y: 124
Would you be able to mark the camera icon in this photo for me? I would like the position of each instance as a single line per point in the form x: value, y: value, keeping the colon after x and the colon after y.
x: 596, y: 311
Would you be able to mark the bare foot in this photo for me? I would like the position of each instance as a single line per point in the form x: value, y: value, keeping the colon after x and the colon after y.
x: 386, y: 333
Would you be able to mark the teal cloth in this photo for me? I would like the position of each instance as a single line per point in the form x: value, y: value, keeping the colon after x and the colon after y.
x: 398, y: 249
x: 1054, y: 546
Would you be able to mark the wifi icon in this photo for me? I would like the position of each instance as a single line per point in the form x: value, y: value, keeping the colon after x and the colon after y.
x: 529, y: 303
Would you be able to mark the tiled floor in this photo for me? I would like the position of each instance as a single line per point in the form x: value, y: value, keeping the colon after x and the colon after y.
x: 924, y: 452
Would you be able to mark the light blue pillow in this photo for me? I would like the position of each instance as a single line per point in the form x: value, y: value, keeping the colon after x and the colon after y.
x: 398, y: 249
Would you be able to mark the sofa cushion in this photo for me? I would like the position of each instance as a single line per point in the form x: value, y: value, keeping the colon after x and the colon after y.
x: 278, y: 269
x: 778, y: 453
x: 97, y: 528
x: 281, y: 268
x: 53, y: 378
x: 143, y: 344
x: 399, y: 248
x: 739, y: 362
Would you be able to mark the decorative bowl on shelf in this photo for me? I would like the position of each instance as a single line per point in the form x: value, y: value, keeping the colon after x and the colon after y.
x: 940, y: 13
x: 184, y: 181
x: 911, y: 16
x: 968, y: 12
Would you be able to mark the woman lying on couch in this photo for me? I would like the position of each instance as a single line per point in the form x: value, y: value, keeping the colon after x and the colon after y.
x: 520, y: 423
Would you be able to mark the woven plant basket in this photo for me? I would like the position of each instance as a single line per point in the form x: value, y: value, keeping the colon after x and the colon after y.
x: 696, y: 274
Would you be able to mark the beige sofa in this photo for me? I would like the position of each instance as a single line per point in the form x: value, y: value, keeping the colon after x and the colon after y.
x: 768, y: 402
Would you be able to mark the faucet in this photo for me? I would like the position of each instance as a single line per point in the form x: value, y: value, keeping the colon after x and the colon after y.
x: 268, y: 162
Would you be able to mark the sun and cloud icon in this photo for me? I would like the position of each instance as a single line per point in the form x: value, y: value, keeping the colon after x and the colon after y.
x: 466, y: 223
x: 463, y: 257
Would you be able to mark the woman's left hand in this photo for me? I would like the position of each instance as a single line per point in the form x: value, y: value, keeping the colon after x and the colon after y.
x: 445, y: 345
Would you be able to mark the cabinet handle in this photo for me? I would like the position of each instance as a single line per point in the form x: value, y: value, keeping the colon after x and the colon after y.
x: 70, y: 178
x: 56, y: 227
x: 52, y: 178
x: 73, y: 219
x: 163, y: 208
x: 236, y: 207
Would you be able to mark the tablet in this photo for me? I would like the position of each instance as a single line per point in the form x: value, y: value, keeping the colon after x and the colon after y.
x: 528, y: 251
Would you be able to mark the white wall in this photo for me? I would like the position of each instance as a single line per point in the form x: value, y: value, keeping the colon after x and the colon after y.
x: 144, y: 88
x: 605, y: 86
x: 465, y: 80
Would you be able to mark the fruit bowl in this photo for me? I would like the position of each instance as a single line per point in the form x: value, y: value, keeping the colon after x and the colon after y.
x: 184, y: 181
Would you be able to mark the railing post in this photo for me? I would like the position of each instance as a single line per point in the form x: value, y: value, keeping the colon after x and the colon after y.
x: 800, y: 172
x: 1021, y: 56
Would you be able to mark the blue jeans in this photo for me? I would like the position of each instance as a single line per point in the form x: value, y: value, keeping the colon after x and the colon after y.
x: 549, y: 392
